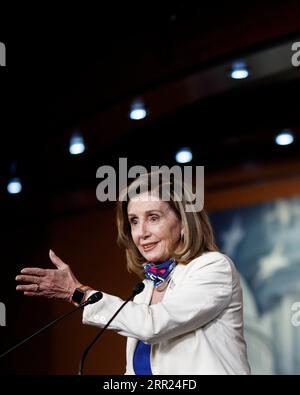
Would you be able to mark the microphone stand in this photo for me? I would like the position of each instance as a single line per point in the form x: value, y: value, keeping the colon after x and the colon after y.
x: 137, y: 289
x: 94, y: 298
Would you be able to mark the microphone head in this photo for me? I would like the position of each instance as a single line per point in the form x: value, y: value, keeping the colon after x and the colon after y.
x: 94, y: 298
x: 138, y: 288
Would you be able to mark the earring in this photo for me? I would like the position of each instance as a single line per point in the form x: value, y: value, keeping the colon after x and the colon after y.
x: 181, y: 234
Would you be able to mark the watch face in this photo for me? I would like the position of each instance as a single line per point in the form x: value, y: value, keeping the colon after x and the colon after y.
x: 77, y: 295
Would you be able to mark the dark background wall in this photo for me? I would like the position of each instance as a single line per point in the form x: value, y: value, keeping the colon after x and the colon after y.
x: 86, y: 239
x: 60, y: 76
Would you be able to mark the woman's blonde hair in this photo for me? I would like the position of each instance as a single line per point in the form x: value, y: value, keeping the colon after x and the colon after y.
x: 197, y: 235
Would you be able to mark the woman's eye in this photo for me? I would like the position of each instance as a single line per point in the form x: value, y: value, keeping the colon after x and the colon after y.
x: 153, y: 218
x: 133, y: 221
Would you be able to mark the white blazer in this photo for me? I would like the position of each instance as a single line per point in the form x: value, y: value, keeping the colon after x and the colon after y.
x: 196, y: 329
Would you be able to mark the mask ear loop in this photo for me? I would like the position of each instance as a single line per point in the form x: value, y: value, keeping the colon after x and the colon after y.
x: 163, y: 286
x: 181, y: 235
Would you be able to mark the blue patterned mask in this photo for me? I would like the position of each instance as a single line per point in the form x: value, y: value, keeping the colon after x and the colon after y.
x: 159, y: 273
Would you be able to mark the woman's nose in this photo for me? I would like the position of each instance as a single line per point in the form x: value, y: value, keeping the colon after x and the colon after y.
x: 143, y: 230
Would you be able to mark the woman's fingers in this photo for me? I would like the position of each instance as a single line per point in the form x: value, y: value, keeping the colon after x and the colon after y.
x: 31, y: 294
x: 36, y: 271
x: 57, y: 283
x: 28, y: 279
x: 28, y: 287
x: 56, y: 260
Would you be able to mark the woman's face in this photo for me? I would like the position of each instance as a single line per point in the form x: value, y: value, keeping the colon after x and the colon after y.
x: 155, y: 228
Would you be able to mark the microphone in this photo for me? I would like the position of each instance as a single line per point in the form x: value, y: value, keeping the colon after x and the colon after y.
x: 136, y: 290
x: 92, y: 299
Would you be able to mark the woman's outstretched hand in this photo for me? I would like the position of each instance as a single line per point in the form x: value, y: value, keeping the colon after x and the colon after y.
x: 59, y: 283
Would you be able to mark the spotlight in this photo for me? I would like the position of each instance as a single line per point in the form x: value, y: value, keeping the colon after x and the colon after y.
x: 137, y: 111
x: 239, y: 71
x: 184, y: 155
x: 76, y: 144
x: 285, y: 137
x: 14, y: 186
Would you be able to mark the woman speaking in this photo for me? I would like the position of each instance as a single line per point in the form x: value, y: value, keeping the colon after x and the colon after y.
x: 189, y: 317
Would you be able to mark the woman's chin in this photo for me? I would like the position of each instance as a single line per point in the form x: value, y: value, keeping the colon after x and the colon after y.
x: 150, y: 258
x: 154, y: 258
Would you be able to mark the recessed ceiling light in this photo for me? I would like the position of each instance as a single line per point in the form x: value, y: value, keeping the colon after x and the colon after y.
x: 137, y: 111
x: 239, y: 71
x: 14, y: 186
x: 286, y: 137
x: 184, y: 155
x: 76, y: 146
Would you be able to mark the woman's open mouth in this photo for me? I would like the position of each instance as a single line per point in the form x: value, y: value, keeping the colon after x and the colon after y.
x: 149, y: 247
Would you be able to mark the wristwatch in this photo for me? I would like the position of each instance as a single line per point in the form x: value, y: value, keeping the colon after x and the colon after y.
x: 78, y: 295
